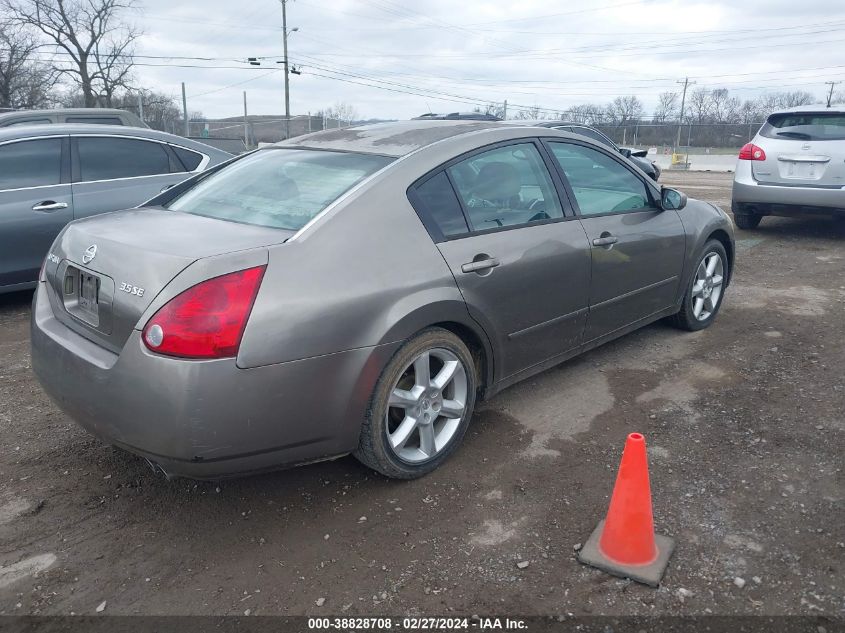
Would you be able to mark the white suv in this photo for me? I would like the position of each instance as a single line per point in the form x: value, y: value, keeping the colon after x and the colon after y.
x: 794, y: 166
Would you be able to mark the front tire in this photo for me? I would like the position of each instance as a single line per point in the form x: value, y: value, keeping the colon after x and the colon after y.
x: 421, y: 406
x: 705, y: 291
x: 747, y: 221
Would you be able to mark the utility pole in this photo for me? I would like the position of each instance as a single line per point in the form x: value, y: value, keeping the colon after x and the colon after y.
x: 185, y: 111
x: 505, y: 111
x: 246, y: 124
x: 141, y: 106
x: 686, y: 83
x: 287, y: 79
x: 830, y: 94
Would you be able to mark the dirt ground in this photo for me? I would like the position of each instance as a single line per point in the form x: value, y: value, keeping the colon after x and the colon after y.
x: 744, y: 424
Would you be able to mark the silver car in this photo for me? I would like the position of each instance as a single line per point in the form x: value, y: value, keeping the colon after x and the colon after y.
x: 795, y: 165
x: 359, y: 290
x: 52, y: 174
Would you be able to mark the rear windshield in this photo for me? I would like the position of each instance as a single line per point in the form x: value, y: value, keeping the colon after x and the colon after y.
x: 278, y: 188
x: 809, y: 126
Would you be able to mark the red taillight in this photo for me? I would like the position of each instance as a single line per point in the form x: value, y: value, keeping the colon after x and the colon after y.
x: 750, y: 151
x: 207, y: 320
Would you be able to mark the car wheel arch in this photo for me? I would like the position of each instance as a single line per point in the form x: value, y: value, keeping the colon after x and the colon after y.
x: 721, y: 236
x: 453, y: 316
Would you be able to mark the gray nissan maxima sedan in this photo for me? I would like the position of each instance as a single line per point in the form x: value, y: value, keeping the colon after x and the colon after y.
x: 359, y: 290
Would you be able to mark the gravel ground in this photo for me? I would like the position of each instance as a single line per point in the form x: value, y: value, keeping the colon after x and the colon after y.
x: 744, y: 423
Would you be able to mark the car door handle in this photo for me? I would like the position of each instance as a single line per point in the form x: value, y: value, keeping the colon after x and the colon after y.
x: 49, y: 205
x: 479, y: 265
x: 605, y: 240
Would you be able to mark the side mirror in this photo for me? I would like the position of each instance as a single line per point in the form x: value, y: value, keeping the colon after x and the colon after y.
x: 672, y: 199
x: 625, y: 152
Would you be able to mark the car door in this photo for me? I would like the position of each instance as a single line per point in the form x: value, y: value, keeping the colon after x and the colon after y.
x: 637, y: 249
x: 520, y: 263
x: 116, y: 172
x: 35, y: 204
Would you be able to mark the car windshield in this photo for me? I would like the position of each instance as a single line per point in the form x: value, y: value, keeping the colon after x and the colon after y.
x: 278, y: 188
x: 810, y: 126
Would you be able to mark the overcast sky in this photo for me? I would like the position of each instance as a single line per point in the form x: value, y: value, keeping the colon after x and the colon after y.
x: 397, y: 58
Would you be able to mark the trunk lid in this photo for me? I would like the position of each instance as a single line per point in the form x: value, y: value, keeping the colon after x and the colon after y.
x: 111, y: 267
x: 801, y: 163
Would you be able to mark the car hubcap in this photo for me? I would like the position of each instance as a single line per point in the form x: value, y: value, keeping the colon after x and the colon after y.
x: 426, y: 406
x: 707, y: 287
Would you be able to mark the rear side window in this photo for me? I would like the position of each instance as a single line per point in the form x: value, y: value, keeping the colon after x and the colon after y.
x: 110, y: 158
x: 91, y: 120
x: 440, y: 204
x: 278, y: 188
x: 506, y: 186
x: 191, y: 160
x: 810, y: 126
x: 34, y: 163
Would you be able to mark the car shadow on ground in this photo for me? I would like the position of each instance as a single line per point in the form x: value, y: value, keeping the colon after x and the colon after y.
x: 809, y: 227
x: 15, y: 300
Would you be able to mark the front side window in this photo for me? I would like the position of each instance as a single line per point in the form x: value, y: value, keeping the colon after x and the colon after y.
x: 35, y: 163
x: 278, y: 188
x: 506, y: 186
x: 600, y: 184
x: 102, y: 158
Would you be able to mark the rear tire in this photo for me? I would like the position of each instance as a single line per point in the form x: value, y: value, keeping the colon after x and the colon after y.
x: 421, y: 406
x: 705, y: 290
x: 747, y: 221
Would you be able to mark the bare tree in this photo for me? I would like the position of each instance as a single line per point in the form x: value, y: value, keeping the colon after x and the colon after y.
x: 698, y: 106
x: 750, y: 112
x: 777, y: 100
x: 491, y: 108
x: 342, y: 111
x: 667, y: 107
x: 586, y: 113
x: 24, y: 81
x: 161, y: 112
x: 534, y: 113
x: 723, y: 107
x: 98, y: 46
x: 624, y: 109
x: 796, y: 98
x: 838, y: 98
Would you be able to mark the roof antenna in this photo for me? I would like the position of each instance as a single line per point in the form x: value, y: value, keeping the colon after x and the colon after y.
x: 430, y: 111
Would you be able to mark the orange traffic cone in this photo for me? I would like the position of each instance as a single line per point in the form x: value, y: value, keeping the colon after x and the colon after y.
x: 624, y: 544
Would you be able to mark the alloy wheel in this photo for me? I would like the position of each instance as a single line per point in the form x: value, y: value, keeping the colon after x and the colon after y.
x: 707, y: 287
x: 426, y: 406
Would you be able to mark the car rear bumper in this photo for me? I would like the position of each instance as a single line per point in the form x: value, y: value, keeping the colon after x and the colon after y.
x: 205, y: 419
x: 749, y: 196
